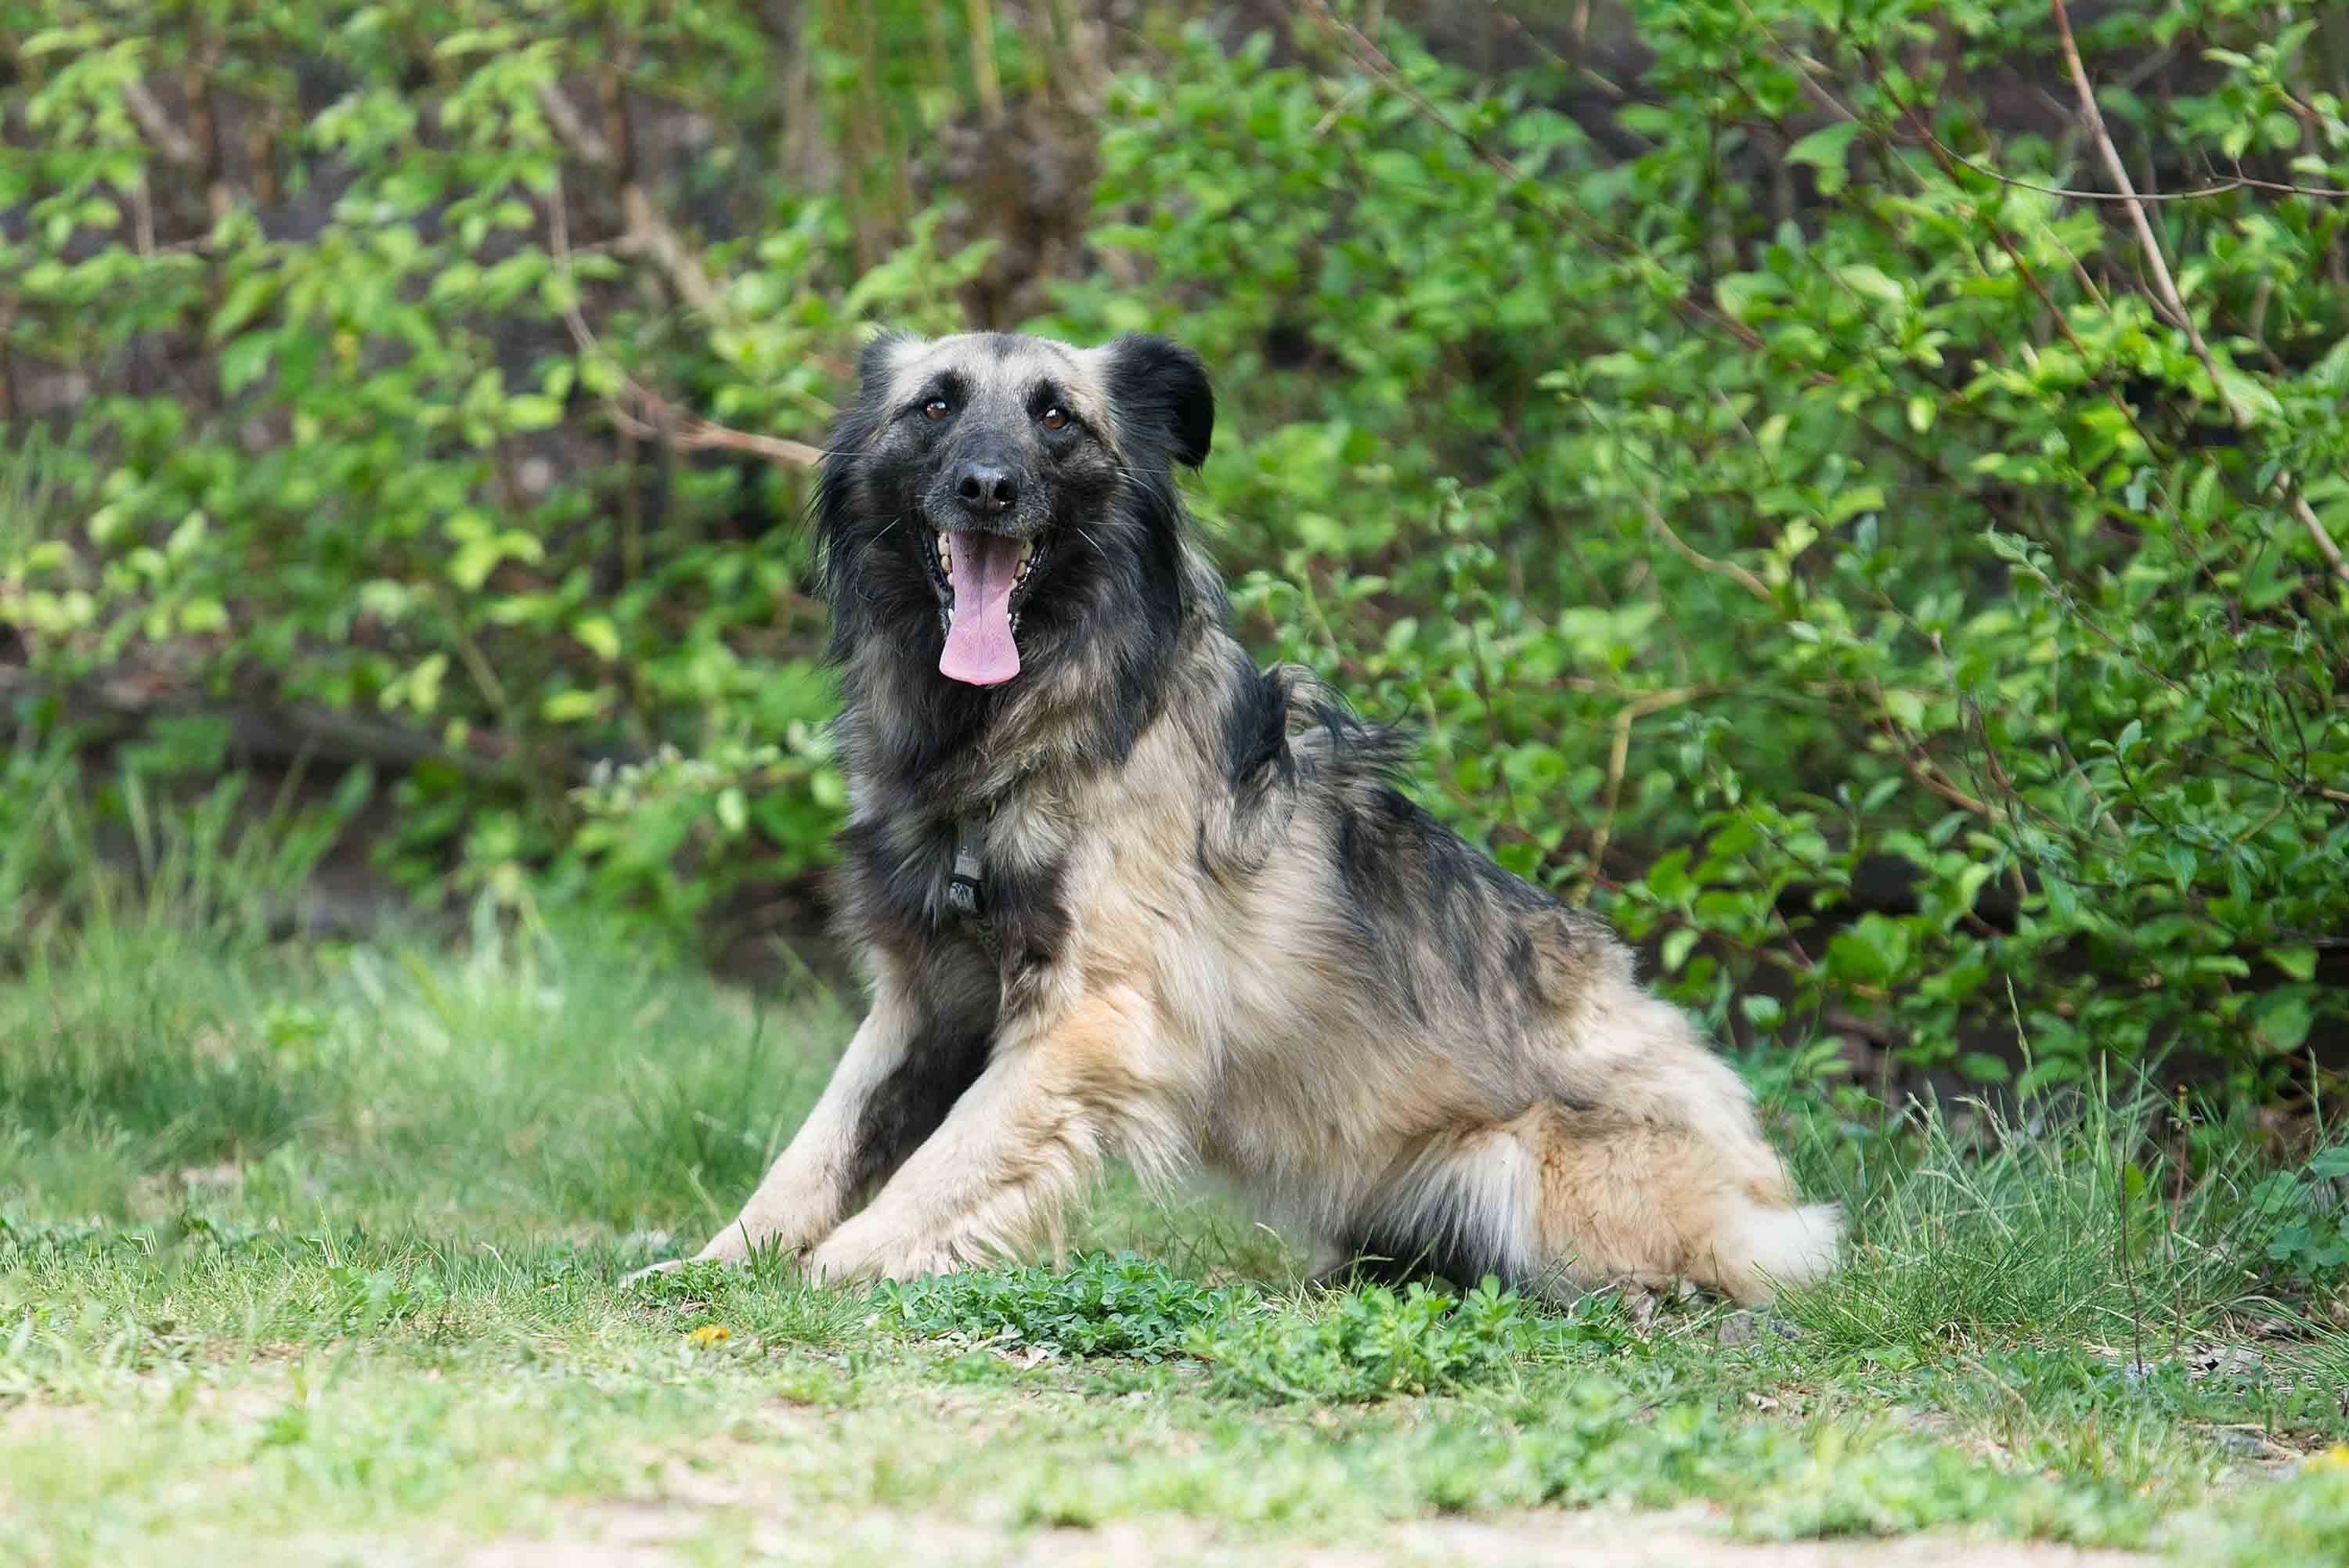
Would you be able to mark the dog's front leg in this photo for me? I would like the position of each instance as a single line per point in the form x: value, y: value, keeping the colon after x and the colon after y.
x: 1057, y: 1099
x: 810, y: 1184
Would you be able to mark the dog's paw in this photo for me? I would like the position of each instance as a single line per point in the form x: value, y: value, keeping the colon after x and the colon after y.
x: 850, y: 1257
x: 630, y: 1281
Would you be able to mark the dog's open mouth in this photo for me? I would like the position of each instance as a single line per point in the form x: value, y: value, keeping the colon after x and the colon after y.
x: 982, y: 580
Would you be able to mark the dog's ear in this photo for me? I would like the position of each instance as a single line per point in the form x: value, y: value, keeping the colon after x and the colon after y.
x: 1157, y: 386
x: 880, y: 358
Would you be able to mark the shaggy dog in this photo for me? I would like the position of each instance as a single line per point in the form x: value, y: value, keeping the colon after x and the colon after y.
x: 1120, y: 892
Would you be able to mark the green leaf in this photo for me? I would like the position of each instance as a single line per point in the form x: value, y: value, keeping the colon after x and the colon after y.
x: 1827, y: 145
x: 245, y: 361
x: 2299, y: 962
x: 1853, y: 502
x: 1742, y: 295
x: 1826, y: 149
x: 2282, y: 1022
x: 733, y: 811
x: 1980, y: 1066
x: 532, y: 411
x: 571, y: 707
x: 246, y: 300
x: 600, y: 635
x: 2248, y: 395
x: 1873, y: 281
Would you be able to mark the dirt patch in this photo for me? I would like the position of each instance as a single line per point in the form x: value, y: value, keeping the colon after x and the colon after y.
x: 644, y: 1536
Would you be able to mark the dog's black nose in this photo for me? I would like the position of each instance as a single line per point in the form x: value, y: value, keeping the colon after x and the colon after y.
x: 987, y: 489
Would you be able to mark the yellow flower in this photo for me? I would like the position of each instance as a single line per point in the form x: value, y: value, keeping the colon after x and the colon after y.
x: 710, y: 1334
x: 2336, y: 1458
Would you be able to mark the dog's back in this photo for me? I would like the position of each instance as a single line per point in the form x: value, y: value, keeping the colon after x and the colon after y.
x: 1416, y: 1056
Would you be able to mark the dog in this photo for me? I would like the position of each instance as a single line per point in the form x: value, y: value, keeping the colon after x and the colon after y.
x: 1119, y: 893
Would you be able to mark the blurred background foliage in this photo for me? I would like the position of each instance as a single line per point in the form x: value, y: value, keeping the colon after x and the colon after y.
x: 1804, y: 514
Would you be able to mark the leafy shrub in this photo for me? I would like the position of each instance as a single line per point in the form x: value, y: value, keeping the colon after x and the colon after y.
x: 1099, y: 1304
x: 1799, y: 526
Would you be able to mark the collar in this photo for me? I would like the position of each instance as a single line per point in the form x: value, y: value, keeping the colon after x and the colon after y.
x: 967, y: 882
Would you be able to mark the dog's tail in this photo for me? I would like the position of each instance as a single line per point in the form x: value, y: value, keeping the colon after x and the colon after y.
x: 1760, y: 1247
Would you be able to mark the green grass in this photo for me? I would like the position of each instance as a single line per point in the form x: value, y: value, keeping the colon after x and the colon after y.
x: 313, y: 1251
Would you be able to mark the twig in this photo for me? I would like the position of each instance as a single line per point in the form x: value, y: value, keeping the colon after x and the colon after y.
x: 983, y: 71
x: 2200, y: 193
x: 1922, y: 771
x: 175, y: 145
x: 1618, y: 756
x: 2240, y: 182
x: 648, y: 233
x: 2146, y: 240
x: 1812, y: 87
x: 2169, y: 285
x: 1511, y: 25
x: 690, y: 432
x: 1818, y: 93
x: 1729, y: 569
x: 667, y: 422
x: 2324, y: 545
x: 571, y: 128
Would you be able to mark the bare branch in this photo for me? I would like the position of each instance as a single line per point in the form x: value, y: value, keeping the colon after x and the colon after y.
x: 1729, y: 569
x: 662, y: 420
x: 1618, y: 756
x: 690, y: 432
x: 2200, y: 193
x: 982, y: 58
x: 581, y: 140
x: 175, y: 145
x: 649, y: 234
x: 2317, y: 531
x: 2168, y: 286
x: 1812, y: 87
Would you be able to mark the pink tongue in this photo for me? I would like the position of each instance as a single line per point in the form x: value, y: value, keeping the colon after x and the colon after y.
x: 979, y: 649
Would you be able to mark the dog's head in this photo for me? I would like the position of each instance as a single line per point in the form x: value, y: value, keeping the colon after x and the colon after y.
x: 1011, y: 487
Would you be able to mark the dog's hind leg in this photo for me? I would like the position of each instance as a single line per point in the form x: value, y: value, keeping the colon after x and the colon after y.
x: 1561, y: 1201
x: 1053, y: 1103
x: 1623, y: 1199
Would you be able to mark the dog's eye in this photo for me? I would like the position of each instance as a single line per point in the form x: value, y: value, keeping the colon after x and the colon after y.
x: 935, y: 408
x: 1053, y: 419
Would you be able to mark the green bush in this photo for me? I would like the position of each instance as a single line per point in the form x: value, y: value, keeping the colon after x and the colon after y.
x: 1800, y: 527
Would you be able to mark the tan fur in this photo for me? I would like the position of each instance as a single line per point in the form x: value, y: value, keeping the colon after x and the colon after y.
x: 1206, y: 1004
x: 1202, y: 1018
